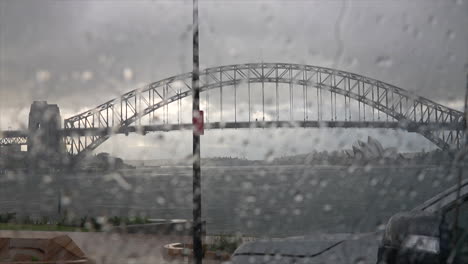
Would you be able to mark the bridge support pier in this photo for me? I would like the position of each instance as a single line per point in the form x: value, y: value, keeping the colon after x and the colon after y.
x: 45, y: 144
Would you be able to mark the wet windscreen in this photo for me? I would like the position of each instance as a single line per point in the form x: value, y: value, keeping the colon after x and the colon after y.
x: 318, y: 122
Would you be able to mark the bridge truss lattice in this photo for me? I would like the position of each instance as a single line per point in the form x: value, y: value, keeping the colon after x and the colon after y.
x: 363, y: 99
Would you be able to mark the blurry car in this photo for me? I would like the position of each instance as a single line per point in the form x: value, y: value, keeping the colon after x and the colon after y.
x: 318, y: 248
x: 425, y: 234
x: 422, y: 235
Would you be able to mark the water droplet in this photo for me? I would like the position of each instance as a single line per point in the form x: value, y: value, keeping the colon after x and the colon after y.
x: 421, y: 176
x: 432, y: 20
x: 269, y: 155
x: 352, y: 169
x: 351, y: 61
x: 406, y: 28
x: 160, y: 200
x: 381, y: 227
x: 43, y: 76
x: 65, y: 200
x: 101, y: 220
x: 360, y: 260
x: 250, y: 199
x: 298, y: 198
x: 323, y: 184
x: 327, y: 208
x: 379, y: 19
x: 221, y: 140
x: 121, y: 181
x: 47, y: 179
x: 86, y: 76
x: 128, y: 74
x: 450, y: 34
x: 257, y: 211
x: 247, y: 185
x: 383, y: 61
x: 368, y: 167
x: 233, y: 52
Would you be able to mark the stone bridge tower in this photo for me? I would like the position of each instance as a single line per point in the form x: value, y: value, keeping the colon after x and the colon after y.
x: 45, y: 144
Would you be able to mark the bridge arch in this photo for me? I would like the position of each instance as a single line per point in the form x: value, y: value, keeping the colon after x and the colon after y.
x: 440, y: 124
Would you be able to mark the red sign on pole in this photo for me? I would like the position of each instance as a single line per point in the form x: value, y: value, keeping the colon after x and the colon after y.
x: 198, y: 123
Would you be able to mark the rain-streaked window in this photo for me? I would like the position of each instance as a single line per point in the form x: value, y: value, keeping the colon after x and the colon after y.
x: 329, y: 131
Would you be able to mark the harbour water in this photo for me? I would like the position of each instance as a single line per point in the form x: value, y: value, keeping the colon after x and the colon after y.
x: 275, y: 201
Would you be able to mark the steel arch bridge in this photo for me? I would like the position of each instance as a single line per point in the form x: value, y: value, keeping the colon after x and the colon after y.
x: 358, y: 95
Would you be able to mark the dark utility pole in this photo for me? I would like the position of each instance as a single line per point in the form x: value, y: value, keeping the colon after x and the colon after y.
x: 197, y: 223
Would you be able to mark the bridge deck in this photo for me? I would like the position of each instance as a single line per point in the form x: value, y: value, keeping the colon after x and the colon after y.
x: 409, y: 126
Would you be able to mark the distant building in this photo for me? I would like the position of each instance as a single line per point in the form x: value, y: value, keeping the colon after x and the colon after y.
x: 372, y: 149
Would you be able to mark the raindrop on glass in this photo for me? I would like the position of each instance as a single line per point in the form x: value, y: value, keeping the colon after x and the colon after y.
x: 383, y: 61
x: 450, y: 34
x: 128, y: 74
x: 298, y: 198
x: 43, y: 76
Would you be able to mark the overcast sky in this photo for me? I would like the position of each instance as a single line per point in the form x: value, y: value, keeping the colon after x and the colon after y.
x: 79, y: 54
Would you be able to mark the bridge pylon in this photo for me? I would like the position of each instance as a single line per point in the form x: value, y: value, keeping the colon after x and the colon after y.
x: 44, y: 144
